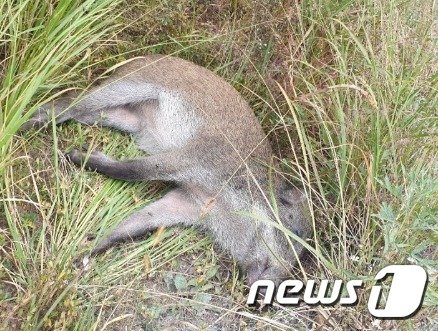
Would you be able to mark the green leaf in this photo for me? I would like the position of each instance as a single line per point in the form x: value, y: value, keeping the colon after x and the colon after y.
x: 180, y: 283
x: 386, y: 213
x: 203, y: 297
x: 211, y: 272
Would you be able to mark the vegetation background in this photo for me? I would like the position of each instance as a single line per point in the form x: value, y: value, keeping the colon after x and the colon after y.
x: 346, y: 91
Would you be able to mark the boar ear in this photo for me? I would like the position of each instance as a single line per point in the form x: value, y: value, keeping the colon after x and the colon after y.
x: 291, y: 196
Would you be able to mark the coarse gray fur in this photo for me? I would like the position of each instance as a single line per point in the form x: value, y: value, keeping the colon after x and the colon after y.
x: 202, y: 136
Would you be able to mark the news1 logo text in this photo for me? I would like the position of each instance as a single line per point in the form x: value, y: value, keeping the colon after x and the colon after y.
x: 405, y: 296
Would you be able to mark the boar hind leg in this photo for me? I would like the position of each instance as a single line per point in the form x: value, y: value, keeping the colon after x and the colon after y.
x: 173, y: 209
x: 114, y: 104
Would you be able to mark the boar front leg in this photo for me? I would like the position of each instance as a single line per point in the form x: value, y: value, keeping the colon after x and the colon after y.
x: 154, y: 167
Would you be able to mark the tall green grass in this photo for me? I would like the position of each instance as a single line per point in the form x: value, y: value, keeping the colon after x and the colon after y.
x: 366, y: 125
x: 44, y: 45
